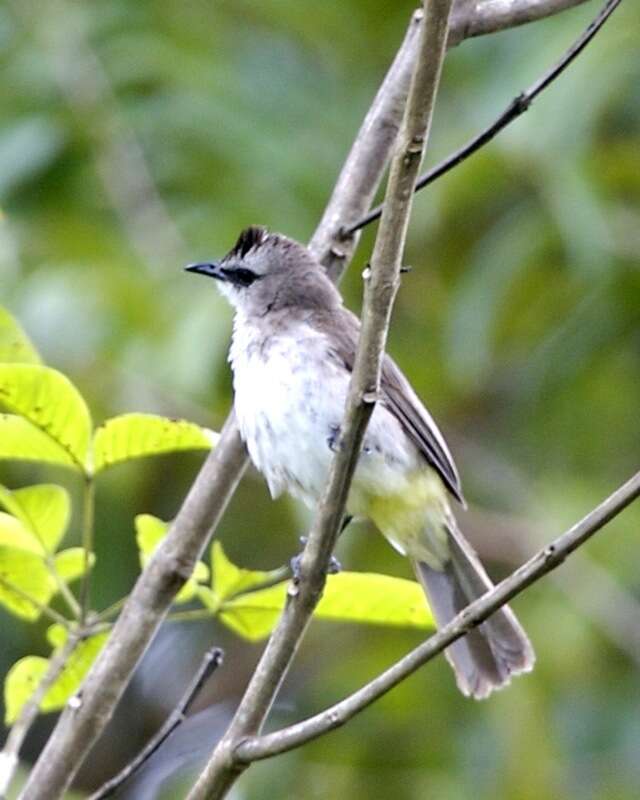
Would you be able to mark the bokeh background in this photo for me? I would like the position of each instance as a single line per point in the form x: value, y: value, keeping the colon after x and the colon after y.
x: 139, y: 135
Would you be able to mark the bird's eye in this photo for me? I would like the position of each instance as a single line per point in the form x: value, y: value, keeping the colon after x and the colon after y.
x: 241, y: 276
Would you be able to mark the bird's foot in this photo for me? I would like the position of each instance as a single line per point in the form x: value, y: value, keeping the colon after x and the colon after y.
x: 333, y: 439
x: 295, y: 563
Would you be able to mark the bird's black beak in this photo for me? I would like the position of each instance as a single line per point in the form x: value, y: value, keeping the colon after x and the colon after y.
x: 212, y: 269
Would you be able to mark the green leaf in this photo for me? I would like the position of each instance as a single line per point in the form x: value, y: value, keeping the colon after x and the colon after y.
x: 229, y: 579
x: 25, y: 675
x: 15, y: 346
x: 376, y: 599
x: 28, y: 572
x: 70, y: 563
x: 149, y: 533
x: 348, y: 597
x: 48, y: 400
x: 43, y: 509
x: 56, y: 634
x: 13, y: 533
x: 254, y: 615
x: 22, y: 441
x: 138, y: 435
x: 21, y: 682
x: 208, y: 598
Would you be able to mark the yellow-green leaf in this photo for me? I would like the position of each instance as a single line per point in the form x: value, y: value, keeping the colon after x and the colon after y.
x: 138, y: 435
x: 28, y: 572
x: 254, y: 615
x: 70, y: 563
x: 229, y: 579
x: 22, y: 441
x: 376, y: 599
x: 21, y: 682
x: 208, y: 598
x: 149, y: 533
x: 48, y: 400
x: 25, y: 675
x: 44, y: 510
x: 56, y: 634
x: 13, y: 533
x: 348, y: 597
x: 15, y: 346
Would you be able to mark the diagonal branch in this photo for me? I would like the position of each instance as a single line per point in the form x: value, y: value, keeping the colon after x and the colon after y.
x: 10, y: 755
x: 210, y: 663
x: 544, y: 561
x: 521, y: 103
x: 367, y: 159
x: 81, y: 722
x: 223, y: 768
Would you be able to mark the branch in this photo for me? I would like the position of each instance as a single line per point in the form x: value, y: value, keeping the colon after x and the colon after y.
x: 153, y: 593
x: 223, y: 768
x: 367, y: 159
x: 84, y: 719
x: 544, y: 561
x: 210, y: 662
x: 9, y: 757
x: 516, y: 107
x: 470, y: 18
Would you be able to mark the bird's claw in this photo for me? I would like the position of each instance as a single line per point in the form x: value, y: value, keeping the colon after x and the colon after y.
x: 333, y: 568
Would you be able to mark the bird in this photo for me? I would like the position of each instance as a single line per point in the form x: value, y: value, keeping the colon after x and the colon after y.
x: 292, y: 354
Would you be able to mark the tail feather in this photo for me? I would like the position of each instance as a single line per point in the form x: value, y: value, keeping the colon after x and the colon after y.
x: 486, y: 657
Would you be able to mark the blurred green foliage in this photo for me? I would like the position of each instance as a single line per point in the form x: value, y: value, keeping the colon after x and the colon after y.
x: 138, y: 136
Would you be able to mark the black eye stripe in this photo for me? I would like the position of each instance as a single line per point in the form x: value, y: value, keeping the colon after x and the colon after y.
x: 240, y: 276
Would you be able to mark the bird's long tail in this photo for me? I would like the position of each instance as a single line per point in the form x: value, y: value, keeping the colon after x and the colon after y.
x: 486, y: 657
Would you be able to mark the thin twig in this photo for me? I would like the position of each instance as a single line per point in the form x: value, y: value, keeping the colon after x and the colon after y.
x: 478, y: 17
x: 516, y: 107
x: 211, y: 661
x: 223, y: 770
x: 543, y: 562
x: 10, y: 755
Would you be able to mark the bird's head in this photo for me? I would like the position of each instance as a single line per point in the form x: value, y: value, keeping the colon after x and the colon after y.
x: 266, y: 272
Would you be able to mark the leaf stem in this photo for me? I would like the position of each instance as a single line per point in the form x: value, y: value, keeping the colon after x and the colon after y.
x: 88, y: 520
x: 111, y: 611
x: 63, y: 589
x: 45, y: 610
x: 191, y: 615
x: 9, y: 757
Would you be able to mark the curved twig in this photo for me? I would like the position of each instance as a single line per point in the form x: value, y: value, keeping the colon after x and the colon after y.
x: 544, y: 561
x: 516, y: 107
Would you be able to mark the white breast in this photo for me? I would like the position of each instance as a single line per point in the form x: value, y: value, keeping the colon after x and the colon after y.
x: 288, y: 396
x: 289, y: 400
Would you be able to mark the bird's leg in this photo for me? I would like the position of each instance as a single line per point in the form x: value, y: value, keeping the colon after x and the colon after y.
x: 334, y: 565
x: 333, y: 438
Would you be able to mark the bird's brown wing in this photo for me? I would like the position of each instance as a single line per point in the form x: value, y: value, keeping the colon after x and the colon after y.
x: 397, y: 396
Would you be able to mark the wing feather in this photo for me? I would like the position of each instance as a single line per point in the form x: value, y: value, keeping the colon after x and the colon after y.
x: 397, y: 397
